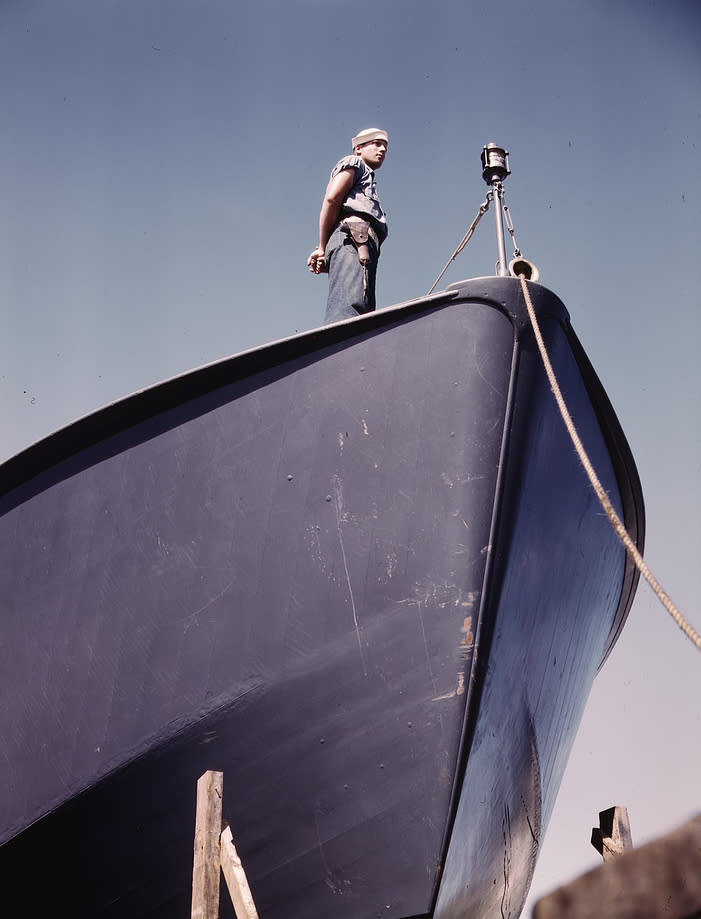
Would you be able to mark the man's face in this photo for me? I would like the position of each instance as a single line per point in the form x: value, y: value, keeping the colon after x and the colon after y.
x: 373, y: 153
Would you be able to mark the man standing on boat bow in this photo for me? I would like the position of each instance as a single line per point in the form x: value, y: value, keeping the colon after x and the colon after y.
x: 352, y: 227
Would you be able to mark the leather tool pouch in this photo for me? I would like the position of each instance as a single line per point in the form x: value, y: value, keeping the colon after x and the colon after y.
x: 359, y: 231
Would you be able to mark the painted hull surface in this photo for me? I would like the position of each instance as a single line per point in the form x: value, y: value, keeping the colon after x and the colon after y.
x: 358, y: 571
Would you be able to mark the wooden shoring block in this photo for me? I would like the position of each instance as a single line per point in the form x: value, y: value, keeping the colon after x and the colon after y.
x: 235, y: 878
x: 659, y: 880
x: 612, y: 836
x: 206, y: 861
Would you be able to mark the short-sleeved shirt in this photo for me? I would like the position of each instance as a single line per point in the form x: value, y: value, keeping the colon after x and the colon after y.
x: 362, y: 198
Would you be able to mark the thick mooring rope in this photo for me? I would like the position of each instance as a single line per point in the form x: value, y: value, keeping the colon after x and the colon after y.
x: 616, y: 521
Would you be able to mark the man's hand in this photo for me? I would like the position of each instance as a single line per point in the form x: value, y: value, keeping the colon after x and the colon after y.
x: 317, y: 261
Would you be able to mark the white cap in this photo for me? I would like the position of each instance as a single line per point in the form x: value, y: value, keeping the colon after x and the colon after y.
x: 369, y: 134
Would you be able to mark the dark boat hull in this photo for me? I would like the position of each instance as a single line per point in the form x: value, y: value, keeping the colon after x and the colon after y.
x: 359, y: 572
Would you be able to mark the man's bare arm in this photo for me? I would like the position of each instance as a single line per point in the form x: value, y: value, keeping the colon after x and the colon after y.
x: 336, y: 193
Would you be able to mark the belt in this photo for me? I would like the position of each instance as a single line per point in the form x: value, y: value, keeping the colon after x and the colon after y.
x: 353, y: 220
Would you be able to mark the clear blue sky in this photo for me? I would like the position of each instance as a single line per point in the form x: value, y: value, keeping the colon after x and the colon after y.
x: 162, y: 164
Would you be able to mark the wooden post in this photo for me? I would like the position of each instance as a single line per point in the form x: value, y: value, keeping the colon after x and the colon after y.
x: 235, y: 878
x: 612, y: 836
x: 661, y: 878
x: 206, y: 863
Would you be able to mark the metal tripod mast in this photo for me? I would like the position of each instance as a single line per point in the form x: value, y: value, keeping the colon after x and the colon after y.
x: 495, y: 168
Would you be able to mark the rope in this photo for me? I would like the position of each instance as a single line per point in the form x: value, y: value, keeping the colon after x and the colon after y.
x: 465, y: 240
x: 616, y: 522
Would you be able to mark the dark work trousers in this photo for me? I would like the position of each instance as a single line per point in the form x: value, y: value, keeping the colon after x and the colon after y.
x: 346, y: 295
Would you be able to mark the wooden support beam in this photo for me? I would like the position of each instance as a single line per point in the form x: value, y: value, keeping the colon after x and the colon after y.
x: 659, y: 879
x: 235, y: 878
x: 612, y: 837
x: 206, y: 863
